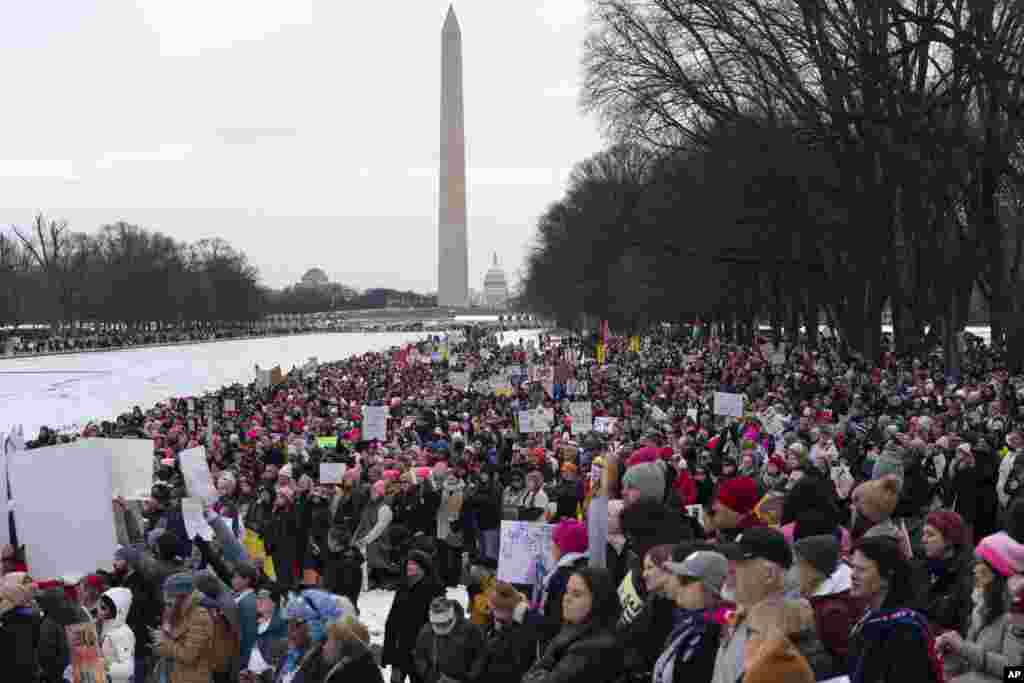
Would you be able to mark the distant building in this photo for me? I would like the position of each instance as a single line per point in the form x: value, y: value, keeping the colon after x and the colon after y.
x: 314, y: 278
x: 495, y: 286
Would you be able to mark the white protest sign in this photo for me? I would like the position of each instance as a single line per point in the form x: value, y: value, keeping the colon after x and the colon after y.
x: 196, y: 472
x: 582, y: 417
x: 525, y: 552
x: 375, y: 423
x: 195, y: 522
x: 691, y: 413
x: 525, y: 418
x: 229, y: 405
x: 131, y: 463
x: 332, y: 472
x: 604, y: 425
x: 730, y: 405
x: 60, y: 540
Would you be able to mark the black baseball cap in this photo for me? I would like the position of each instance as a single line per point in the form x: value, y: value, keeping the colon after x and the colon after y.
x: 762, y: 542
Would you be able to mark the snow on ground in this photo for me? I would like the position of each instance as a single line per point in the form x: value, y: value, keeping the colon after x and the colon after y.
x: 70, y: 390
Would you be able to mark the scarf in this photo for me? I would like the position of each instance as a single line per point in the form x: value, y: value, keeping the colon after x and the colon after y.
x: 876, y: 626
x: 683, y: 643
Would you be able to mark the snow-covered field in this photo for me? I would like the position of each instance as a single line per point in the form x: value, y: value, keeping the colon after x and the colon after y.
x: 69, y: 390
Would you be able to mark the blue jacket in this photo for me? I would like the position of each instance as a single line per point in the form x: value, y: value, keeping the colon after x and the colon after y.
x: 248, y: 626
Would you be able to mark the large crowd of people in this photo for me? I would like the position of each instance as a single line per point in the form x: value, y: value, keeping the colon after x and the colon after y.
x: 731, y: 513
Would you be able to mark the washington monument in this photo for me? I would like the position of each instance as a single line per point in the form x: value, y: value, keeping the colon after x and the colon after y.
x: 452, y: 254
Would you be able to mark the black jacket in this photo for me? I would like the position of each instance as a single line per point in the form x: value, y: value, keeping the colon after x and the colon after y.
x: 579, y: 654
x: 19, y: 644
x: 146, y: 610
x: 948, y: 601
x: 452, y: 655
x: 409, y: 612
x: 356, y: 664
x: 507, y: 655
x: 54, y: 653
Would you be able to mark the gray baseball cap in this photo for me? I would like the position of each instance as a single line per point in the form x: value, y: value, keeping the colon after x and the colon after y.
x: 706, y: 566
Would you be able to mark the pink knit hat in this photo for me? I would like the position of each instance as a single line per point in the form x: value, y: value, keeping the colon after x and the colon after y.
x: 1002, y: 553
x: 570, y: 536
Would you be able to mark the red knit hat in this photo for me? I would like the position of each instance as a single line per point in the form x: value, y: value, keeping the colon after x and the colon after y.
x: 739, y: 494
x: 950, y: 525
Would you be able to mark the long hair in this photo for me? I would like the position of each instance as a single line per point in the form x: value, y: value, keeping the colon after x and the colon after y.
x: 886, y: 553
x: 994, y: 598
x: 605, y: 608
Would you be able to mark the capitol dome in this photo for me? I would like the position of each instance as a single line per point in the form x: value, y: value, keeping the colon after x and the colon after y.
x: 315, y: 278
x: 495, y: 286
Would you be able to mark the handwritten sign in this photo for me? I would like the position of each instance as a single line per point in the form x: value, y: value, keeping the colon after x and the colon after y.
x: 582, y: 417
x: 729, y: 405
x: 375, y: 423
x: 525, y: 556
x: 604, y: 425
x: 86, y: 661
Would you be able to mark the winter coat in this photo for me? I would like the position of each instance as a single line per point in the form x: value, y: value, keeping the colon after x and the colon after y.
x: 19, y: 643
x: 948, y: 599
x: 311, y: 668
x: 117, y: 642
x: 823, y: 663
x: 189, y: 644
x: 452, y: 655
x: 356, y: 664
x: 146, y: 606
x: 835, y: 612
x: 579, y: 654
x: 644, y: 636
x: 698, y: 667
x: 409, y: 612
x: 342, y: 571
x: 54, y: 652
x: 508, y: 652
x: 901, y: 654
x: 281, y: 537
x: 988, y: 650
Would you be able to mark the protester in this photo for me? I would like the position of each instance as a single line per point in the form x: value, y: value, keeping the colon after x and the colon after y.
x: 117, y: 641
x: 585, y: 649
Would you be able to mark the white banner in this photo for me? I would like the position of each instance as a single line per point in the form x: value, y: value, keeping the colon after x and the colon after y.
x: 525, y: 552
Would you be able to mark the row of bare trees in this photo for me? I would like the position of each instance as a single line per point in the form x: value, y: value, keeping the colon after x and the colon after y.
x: 123, y: 275
x: 795, y: 161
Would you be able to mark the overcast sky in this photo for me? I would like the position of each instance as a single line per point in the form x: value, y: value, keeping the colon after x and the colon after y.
x: 305, y: 132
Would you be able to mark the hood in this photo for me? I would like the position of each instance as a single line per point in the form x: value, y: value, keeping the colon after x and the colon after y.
x: 837, y: 582
x: 122, y: 599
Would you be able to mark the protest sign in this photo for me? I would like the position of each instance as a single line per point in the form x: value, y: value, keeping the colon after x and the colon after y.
x: 525, y: 552
x: 327, y: 442
x: 229, y: 405
x: 582, y: 417
x: 332, y: 472
x: 87, y: 665
x: 729, y: 405
x: 375, y: 423
x: 196, y: 472
x: 43, y: 481
x: 604, y: 425
x: 195, y: 522
x: 131, y: 463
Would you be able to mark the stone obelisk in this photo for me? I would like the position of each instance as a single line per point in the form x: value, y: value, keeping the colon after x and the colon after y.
x: 452, y: 255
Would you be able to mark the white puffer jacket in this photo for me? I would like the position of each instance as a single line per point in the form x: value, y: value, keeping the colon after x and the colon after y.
x: 118, y: 641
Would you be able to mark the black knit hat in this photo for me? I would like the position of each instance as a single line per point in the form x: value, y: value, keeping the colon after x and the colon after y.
x: 821, y: 552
